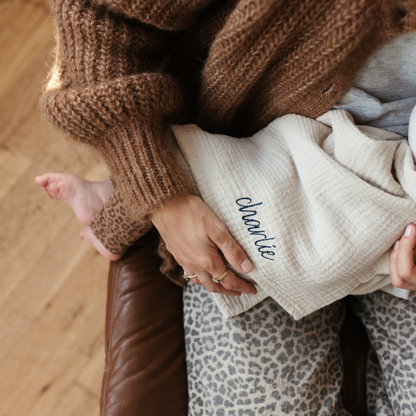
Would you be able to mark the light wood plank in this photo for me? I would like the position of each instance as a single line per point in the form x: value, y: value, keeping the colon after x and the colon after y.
x: 12, y: 166
x: 18, y: 19
x: 91, y: 376
x: 24, y: 71
x: 43, y: 4
x: 52, y: 285
x: 71, y: 327
x: 76, y: 401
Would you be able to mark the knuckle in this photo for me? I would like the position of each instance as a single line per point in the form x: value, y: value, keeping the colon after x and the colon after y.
x: 398, y: 282
x: 403, y: 273
x: 213, y: 289
x: 217, y: 266
x: 209, y: 288
x: 231, y: 286
x: 205, y: 264
x: 185, y: 261
x: 236, y: 253
x: 220, y: 233
x: 220, y: 228
x: 213, y: 265
x: 202, y: 261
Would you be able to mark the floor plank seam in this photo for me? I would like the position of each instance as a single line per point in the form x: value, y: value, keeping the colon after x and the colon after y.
x: 40, y: 6
x: 86, y: 390
x: 27, y: 36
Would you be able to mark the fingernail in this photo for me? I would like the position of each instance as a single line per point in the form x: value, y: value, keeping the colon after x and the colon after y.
x: 396, y: 245
x: 246, y: 265
x: 408, y: 231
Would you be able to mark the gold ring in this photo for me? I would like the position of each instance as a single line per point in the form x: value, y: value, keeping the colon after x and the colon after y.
x: 222, y: 277
x: 186, y: 277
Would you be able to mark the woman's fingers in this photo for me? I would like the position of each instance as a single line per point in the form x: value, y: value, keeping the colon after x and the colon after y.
x: 402, y: 263
x: 236, y: 256
x: 230, y: 283
x: 406, y: 252
x: 206, y: 280
x: 394, y: 277
x: 214, y: 267
x: 235, y: 283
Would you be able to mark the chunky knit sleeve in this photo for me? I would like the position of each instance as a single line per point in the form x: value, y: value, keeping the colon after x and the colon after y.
x: 105, y: 91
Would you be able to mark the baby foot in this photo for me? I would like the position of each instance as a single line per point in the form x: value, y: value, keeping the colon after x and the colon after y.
x: 89, y: 237
x: 84, y: 197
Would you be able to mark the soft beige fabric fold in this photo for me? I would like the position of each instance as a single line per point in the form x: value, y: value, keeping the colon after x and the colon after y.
x: 316, y: 204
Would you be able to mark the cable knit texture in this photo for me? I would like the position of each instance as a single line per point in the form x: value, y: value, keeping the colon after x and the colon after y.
x: 126, y: 69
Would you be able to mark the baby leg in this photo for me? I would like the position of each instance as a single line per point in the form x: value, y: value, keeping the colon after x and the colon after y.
x: 84, y: 197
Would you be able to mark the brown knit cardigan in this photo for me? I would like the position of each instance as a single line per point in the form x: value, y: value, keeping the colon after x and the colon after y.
x: 126, y: 68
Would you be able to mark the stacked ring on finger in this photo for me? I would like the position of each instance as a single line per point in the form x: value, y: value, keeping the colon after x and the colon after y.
x: 186, y: 277
x: 222, y: 277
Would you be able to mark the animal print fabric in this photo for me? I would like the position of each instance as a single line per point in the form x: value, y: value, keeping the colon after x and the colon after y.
x: 262, y: 362
x: 377, y: 399
x: 115, y: 228
x: 391, y: 327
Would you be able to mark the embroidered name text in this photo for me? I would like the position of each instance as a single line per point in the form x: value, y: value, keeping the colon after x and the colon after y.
x: 264, y: 245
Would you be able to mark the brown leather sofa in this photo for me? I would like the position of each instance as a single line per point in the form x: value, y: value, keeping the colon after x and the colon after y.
x: 145, y: 371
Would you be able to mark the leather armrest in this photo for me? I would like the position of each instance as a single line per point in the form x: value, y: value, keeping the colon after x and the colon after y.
x: 145, y: 371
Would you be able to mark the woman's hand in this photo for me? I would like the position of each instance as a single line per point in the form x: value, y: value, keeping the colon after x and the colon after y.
x: 402, y: 260
x: 195, y: 236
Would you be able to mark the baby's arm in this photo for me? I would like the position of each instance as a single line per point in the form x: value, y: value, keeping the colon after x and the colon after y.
x: 402, y: 260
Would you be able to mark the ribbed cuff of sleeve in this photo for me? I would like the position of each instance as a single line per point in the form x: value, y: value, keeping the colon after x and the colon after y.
x: 142, y: 168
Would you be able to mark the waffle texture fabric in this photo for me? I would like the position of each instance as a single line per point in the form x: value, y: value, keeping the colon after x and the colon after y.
x: 124, y: 70
x: 315, y: 204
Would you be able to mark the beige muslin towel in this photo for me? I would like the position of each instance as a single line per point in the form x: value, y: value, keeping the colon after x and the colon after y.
x: 316, y: 204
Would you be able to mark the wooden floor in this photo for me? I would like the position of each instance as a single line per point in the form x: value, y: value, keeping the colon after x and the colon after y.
x: 52, y: 284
